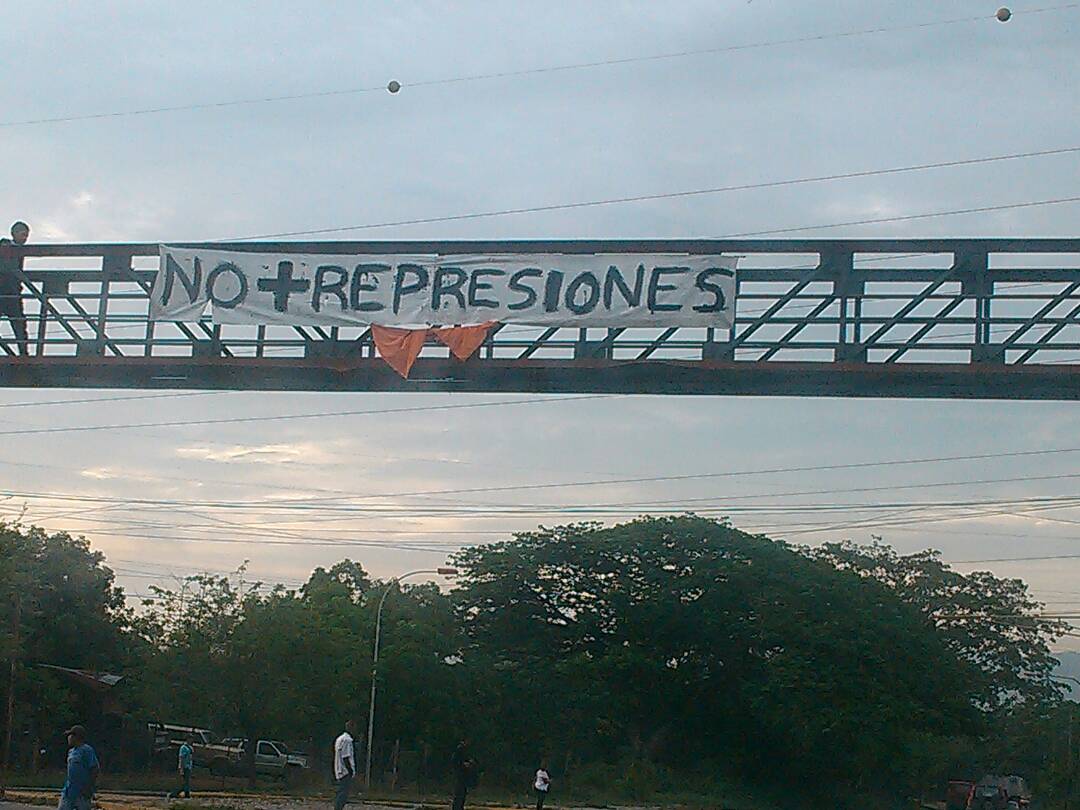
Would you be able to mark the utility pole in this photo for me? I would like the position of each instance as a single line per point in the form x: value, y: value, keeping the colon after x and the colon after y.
x: 442, y: 571
x: 10, y: 718
x: 1069, y: 767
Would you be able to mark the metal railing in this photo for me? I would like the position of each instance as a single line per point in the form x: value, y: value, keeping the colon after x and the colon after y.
x: 831, y: 317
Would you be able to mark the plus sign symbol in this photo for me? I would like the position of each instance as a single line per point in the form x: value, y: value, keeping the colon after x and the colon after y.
x: 283, y: 286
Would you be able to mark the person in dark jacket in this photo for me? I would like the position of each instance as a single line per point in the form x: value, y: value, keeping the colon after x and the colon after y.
x: 465, y: 774
x: 11, y: 264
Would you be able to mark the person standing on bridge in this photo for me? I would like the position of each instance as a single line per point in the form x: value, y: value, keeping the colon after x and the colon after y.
x: 82, y: 772
x: 11, y: 265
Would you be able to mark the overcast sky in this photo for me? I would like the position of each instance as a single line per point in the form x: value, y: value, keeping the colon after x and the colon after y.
x: 840, y: 104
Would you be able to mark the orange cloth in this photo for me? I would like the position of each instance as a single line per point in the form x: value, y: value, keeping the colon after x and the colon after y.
x: 400, y: 347
x: 463, y: 341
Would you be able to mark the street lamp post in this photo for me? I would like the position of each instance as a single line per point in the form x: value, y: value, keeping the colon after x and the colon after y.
x: 444, y: 571
x: 1068, y: 742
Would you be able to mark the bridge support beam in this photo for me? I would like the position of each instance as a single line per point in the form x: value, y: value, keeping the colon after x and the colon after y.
x: 777, y: 378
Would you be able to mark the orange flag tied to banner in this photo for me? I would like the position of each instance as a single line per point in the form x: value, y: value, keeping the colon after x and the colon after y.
x: 400, y: 347
x: 463, y: 341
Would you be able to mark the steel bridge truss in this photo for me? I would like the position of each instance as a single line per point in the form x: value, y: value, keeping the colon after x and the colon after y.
x: 983, y: 318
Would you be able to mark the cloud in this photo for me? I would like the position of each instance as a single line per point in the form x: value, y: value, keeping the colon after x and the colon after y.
x: 113, y: 474
x: 308, y: 453
x: 100, y: 474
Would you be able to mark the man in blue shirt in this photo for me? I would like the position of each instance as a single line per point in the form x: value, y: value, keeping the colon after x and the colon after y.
x: 82, y: 772
x: 186, y: 760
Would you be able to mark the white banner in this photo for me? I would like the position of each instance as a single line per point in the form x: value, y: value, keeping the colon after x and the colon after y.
x: 617, y: 289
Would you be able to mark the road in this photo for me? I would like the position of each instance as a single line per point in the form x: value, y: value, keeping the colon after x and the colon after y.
x: 37, y: 799
x: 124, y: 801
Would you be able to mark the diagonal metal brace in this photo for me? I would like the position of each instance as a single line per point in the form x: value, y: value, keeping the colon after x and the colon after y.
x: 195, y: 341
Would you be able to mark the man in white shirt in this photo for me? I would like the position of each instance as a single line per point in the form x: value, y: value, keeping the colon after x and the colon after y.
x: 542, y: 785
x: 344, y: 765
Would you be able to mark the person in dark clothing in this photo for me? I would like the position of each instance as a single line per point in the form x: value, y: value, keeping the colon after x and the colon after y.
x: 465, y: 774
x: 11, y: 262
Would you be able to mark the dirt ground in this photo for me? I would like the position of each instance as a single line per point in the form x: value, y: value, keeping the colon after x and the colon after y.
x: 36, y: 799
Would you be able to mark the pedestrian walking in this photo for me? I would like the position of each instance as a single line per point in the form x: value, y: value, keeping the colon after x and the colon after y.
x: 82, y: 772
x: 185, y: 762
x: 542, y: 785
x: 344, y: 764
x: 11, y: 265
x: 466, y: 774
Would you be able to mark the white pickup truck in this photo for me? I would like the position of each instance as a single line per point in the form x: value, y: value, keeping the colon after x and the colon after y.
x: 272, y: 758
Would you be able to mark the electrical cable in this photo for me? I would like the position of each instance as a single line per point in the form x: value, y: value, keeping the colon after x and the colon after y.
x: 909, y: 217
x: 122, y: 398
x: 1018, y: 559
x: 528, y: 71
x: 306, y: 503
x: 699, y: 192
x: 281, y: 417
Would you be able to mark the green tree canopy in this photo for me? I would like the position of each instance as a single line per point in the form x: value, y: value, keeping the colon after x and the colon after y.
x: 682, y: 638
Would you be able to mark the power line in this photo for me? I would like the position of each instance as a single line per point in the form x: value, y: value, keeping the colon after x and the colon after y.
x: 612, y: 481
x: 675, y: 508
x: 159, y: 576
x: 417, y: 548
x: 281, y: 417
x: 1036, y: 504
x: 313, y: 543
x: 1018, y: 559
x: 43, y: 403
x: 306, y: 503
x: 670, y: 195
x: 929, y: 215
x: 884, y: 488
x: 725, y: 474
x: 526, y: 71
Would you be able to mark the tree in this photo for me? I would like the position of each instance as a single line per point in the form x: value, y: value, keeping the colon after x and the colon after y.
x: 675, y: 639
x: 58, y: 606
x: 633, y: 656
x: 295, y: 664
x: 988, y: 621
x: 232, y: 658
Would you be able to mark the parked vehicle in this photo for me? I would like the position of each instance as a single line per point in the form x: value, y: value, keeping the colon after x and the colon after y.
x: 1014, y: 788
x: 296, y: 759
x: 168, y: 737
x: 228, y: 756
x: 272, y: 758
